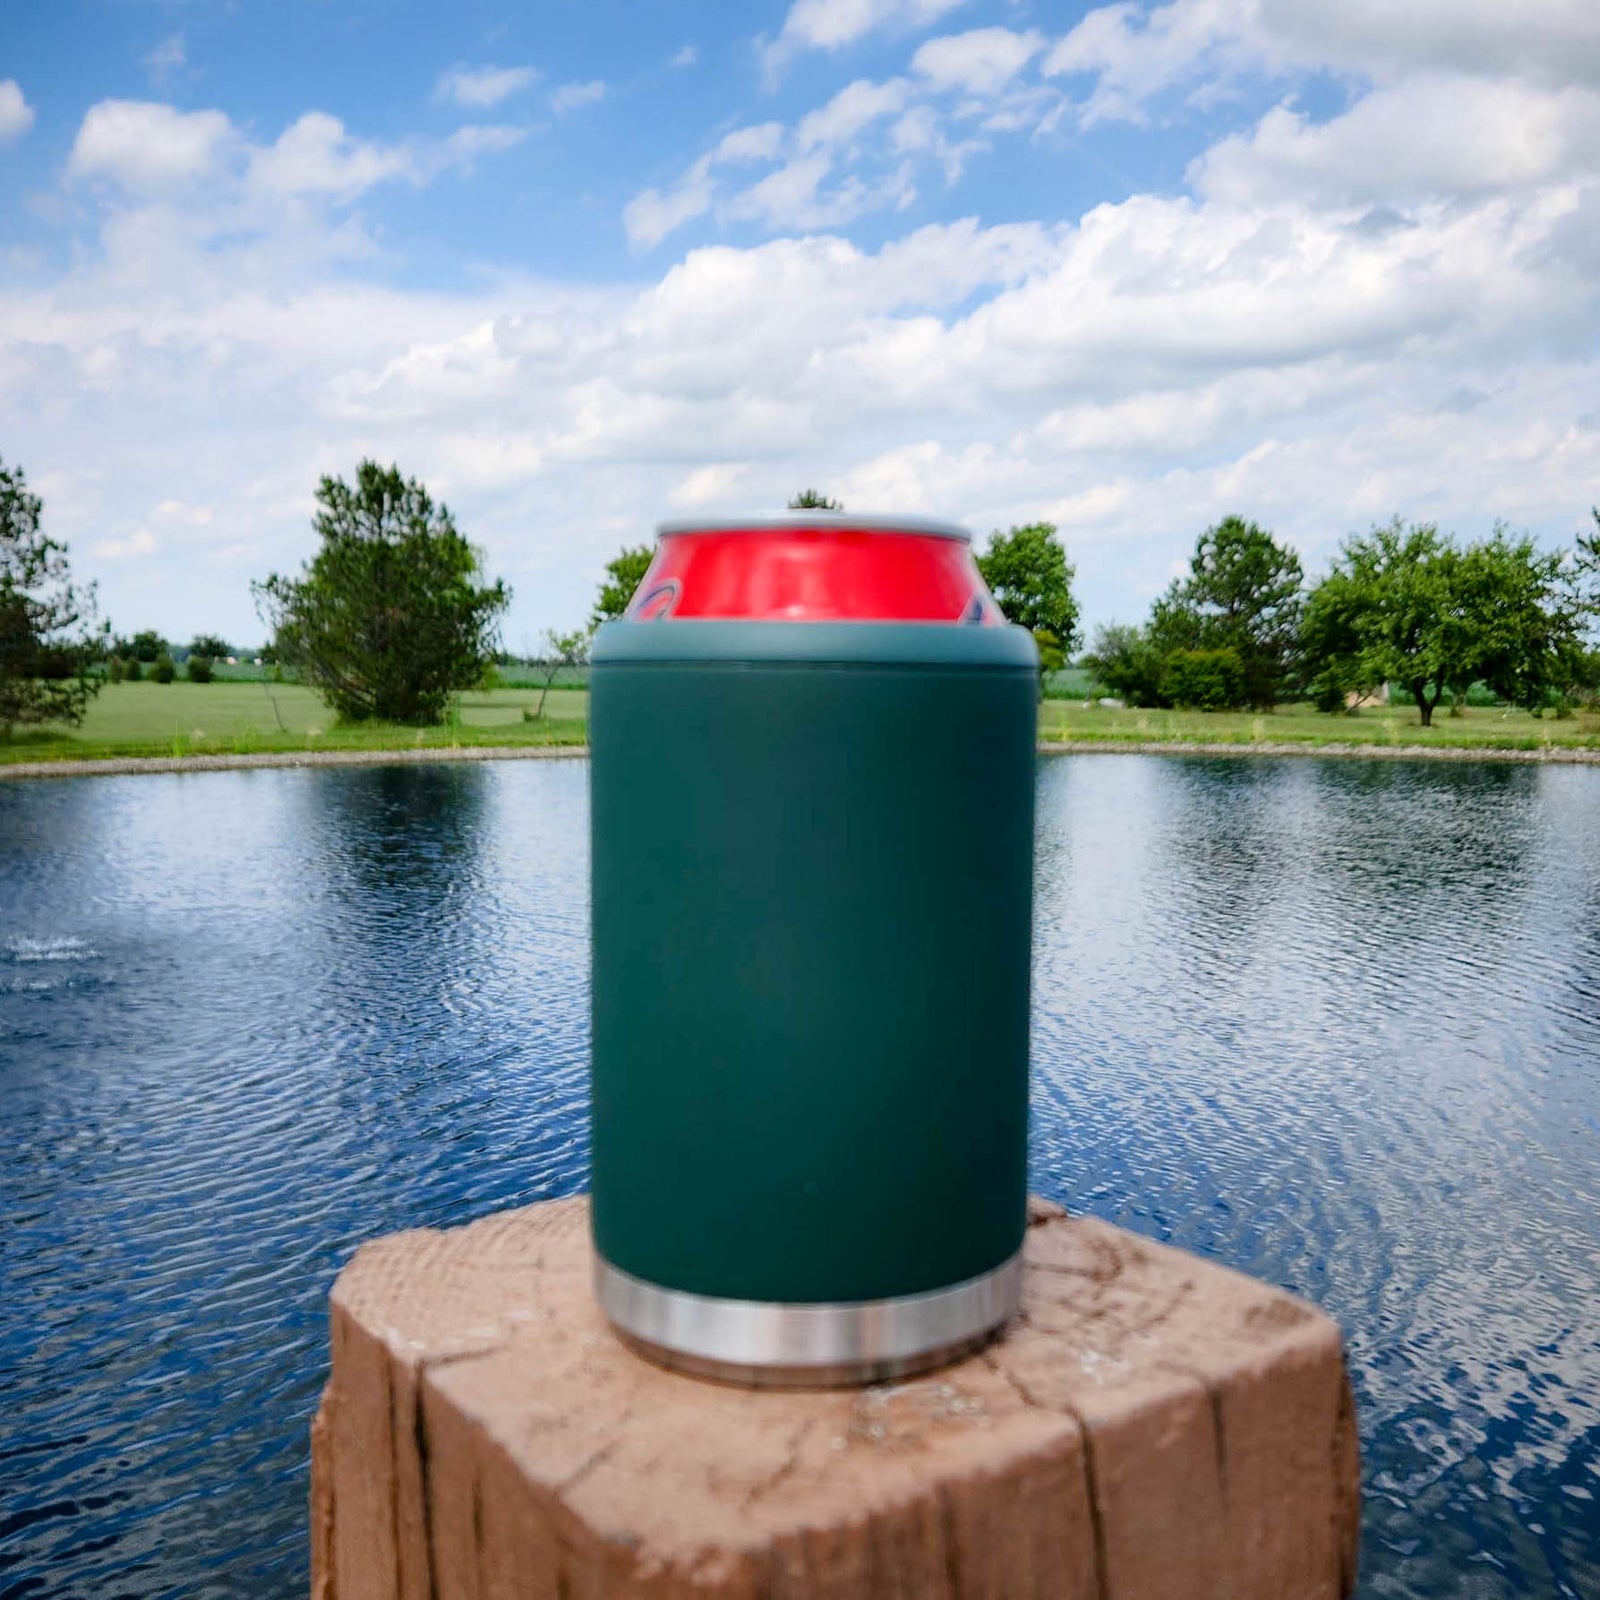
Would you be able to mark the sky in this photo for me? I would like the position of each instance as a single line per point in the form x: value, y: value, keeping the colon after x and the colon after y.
x: 583, y: 266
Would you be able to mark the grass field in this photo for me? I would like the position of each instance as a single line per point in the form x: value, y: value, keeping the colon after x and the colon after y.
x: 1477, y: 727
x: 151, y: 719
x: 154, y: 719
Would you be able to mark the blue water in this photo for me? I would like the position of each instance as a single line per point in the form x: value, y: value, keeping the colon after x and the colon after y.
x: 1335, y: 1023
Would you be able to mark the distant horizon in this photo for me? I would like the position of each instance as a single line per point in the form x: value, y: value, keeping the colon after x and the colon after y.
x: 1126, y: 268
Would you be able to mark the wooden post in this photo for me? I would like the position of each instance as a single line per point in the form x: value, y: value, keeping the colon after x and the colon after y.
x: 1153, y: 1427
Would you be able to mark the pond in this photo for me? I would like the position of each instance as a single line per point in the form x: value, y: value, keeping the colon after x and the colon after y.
x: 1334, y: 1023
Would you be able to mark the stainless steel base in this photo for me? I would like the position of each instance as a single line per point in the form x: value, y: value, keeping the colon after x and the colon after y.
x: 766, y: 1345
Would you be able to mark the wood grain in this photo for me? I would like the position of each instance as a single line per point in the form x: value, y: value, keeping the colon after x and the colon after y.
x: 1152, y: 1427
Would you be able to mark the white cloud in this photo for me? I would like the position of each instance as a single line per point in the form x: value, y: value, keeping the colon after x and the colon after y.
x: 759, y: 142
x: 833, y: 24
x: 980, y: 62
x: 794, y: 197
x: 686, y: 57
x: 16, y: 115
x: 570, y: 96
x: 152, y: 151
x: 141, y: 542
x: 1436, y: 136
x: 707, y: 485
x: 315, y: 155
x: 1135, y: 51
x: 853, y: 108
x: 482, y: 87
x: 1556, y: 40
x: 149, y: 148
x: 1396, y: 308
x: 166, y: 61
x: 652, y: 214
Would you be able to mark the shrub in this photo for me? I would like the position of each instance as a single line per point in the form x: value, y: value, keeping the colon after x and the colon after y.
x: 198, y: 669
x: 1204, y: 680
x: 1127, y: 665
x: 132, y: 672
x: 162, y: 670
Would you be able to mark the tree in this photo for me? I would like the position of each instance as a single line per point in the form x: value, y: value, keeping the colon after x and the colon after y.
x: 1243, y: 593
x: 1337, y: 669
x: 148, y: 646
x: 1527, y: 638
x: 49, y: 645
x: 390, y: 615
x: 1030, y: 578
x: 1125, y: 661
x: 1204, y: 680
x: 624, y: 573
x: 1403, y: 587
x: 563, y: 650
x: 211, y: 646
x: 814, y: 500
x: 1409, y: 606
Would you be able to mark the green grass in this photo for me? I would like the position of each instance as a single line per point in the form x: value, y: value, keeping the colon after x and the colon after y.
x: 152, y: 719
x: 1477, y: 727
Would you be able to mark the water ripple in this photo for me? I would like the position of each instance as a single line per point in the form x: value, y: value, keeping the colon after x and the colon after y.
x: 1334, y: 1023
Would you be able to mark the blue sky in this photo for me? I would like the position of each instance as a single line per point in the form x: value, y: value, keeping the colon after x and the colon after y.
x: 583, y: 266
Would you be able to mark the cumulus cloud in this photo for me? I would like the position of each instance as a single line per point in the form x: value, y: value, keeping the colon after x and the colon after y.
x: 315, y: 155
x: 570, y: 96
x: 707, y: 486
x: 1390, y: 309
x: 1436, y: 136
x: 833, y: 24
x: 148, y: 148
x: 1134, y: 52
x: 981, y: 62
x: 483, y: 87
x: 16, y: 115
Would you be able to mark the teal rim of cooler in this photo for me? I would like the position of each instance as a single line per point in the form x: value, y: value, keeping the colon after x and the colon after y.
x: 880, y: 644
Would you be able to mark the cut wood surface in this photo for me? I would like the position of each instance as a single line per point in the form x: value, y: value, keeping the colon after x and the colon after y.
x: 1152, y: 1427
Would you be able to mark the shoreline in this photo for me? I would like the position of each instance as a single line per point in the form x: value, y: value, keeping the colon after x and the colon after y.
x: 128, y: 766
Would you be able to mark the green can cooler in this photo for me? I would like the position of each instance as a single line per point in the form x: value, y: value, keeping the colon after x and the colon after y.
x: 812, y: 772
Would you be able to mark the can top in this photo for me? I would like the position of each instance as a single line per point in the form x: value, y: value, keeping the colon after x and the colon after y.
x: 768, y: 521
x: 814, y: 566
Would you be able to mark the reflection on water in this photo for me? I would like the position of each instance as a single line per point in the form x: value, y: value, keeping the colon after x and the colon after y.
x: 1336, y: 1023
x: 1339, y: 1024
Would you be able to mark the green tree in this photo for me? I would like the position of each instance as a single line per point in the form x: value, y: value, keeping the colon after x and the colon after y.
x: 1126, y: 661
x: 1030, y: 578
x: 1527, y: 637
x: 1243, y: 593
x: 563, y: 651
x: 391, y: 614
x: 814, y: 500
x: 624, y: 573
x: 212, y: 646
x: 1410, y: 606
x: 1335, y: 663
x: 50, y: 648
x: 148, y: 646
x: 1403, y: 587
x: 1204, y: 680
